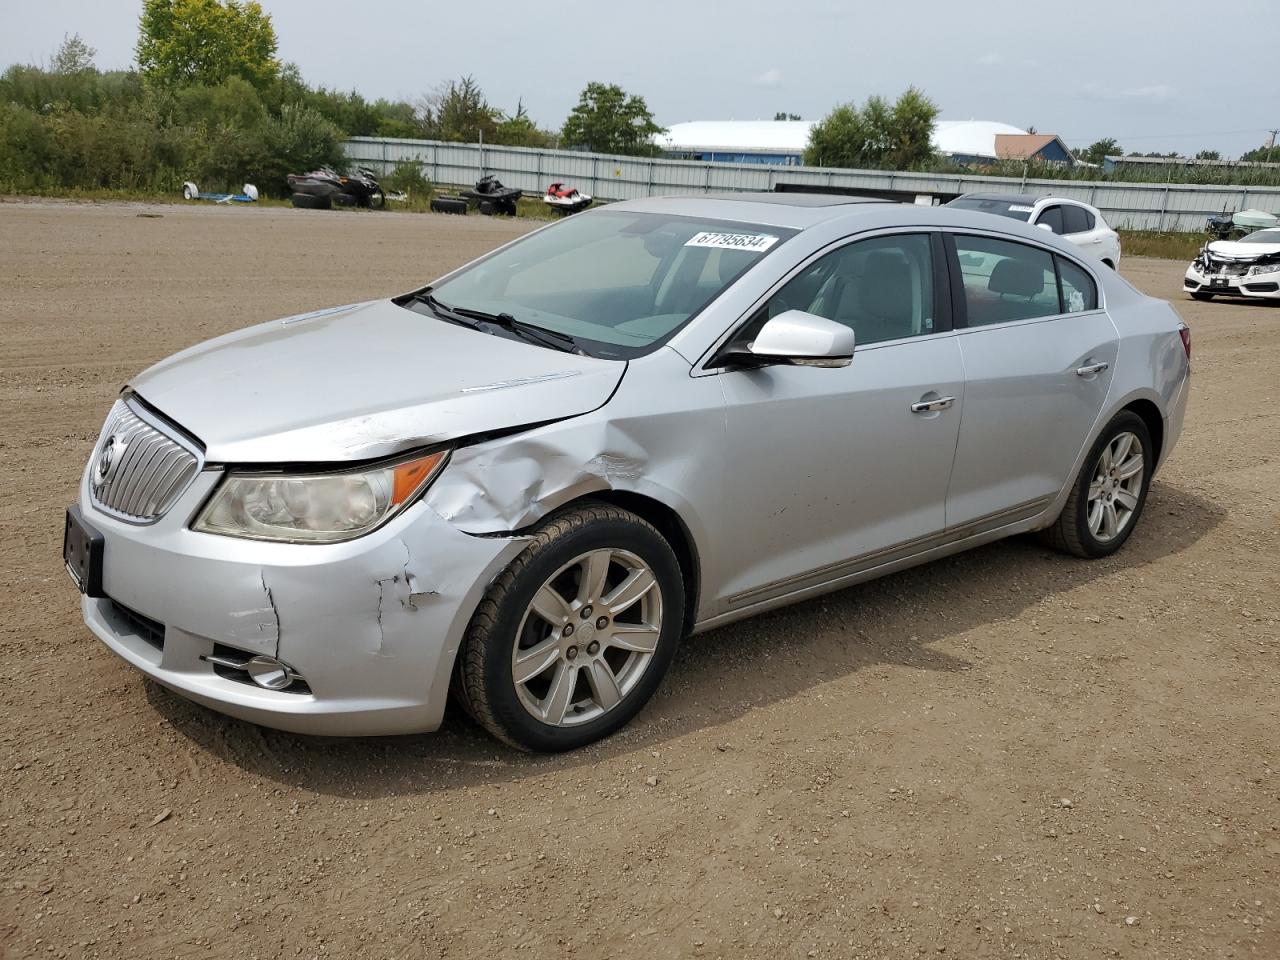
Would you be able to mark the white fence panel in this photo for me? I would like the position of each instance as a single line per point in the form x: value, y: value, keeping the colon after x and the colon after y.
x: 1135, y: 206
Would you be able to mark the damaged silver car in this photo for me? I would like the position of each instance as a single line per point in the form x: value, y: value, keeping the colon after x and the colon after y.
x: 526, y: 482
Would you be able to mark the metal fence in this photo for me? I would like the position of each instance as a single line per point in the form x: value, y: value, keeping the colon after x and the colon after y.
x: 1132, y: 206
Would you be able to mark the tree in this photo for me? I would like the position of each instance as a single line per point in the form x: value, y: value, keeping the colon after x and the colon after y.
x: 1099, y: 150
x: 607, y: 119
x: 783, y: 115
x: 519, y: 130
x: 878, y: 134
x: 458, y: 111
x: 1263, y: 154
x: 1208, y: 155
x: 206, y: 41
x: 74, y: 56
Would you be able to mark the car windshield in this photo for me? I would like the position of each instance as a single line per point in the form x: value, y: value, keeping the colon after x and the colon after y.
x: 1013, y: 209
x: 619, y: 283
x: 1270, y: 235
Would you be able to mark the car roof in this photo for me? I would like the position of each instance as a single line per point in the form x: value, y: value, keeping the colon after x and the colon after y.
x: 850, y: 214
x: 792, y: 210
x: 1029, y: 198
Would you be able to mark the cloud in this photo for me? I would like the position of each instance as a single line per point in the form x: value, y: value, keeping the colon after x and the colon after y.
x: 1153, y: 93
x: 770, y: 78
x: 1157, y: 91
x: 990, y: 59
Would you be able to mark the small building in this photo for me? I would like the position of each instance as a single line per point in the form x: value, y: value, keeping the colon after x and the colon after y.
x: 782, y: 142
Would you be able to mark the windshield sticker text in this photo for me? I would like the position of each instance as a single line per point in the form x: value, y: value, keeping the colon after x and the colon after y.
x: 755, y: 242
x: 1019, y: 208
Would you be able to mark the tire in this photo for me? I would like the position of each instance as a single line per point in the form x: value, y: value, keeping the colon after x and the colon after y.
x: 487, y: 208
x: 377, y: 200
x: 306, y: 201
x: 1073, y: 532
x: 449, y: 205
x: 566, y: 700
x: 1203, y: 297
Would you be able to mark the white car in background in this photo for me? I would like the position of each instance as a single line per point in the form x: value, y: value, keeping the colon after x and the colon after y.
x: 1072, y: 220
x: 1249, y: 267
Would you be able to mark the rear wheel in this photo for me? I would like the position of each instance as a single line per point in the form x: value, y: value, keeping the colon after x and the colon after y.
x: 1109, y: 492
x: 574, y: 637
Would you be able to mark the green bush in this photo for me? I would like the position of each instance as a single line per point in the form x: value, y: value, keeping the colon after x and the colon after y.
x: 408, y: 177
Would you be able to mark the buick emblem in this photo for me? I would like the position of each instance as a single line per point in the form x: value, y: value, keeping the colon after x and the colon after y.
x: 105, y: 459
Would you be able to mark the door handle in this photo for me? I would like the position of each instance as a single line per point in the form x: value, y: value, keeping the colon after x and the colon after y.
x: 1096, y: 240
x: 931, y: 406
x: 1089, y: 369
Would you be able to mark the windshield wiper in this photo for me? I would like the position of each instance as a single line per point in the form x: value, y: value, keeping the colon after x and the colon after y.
x: 468, y: 317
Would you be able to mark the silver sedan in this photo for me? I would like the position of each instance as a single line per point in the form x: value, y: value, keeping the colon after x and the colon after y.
x: 524, y: 483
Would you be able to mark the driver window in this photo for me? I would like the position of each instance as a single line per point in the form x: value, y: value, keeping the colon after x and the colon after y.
x: 881, y: 287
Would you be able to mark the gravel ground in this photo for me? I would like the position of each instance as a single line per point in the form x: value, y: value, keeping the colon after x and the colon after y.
x: 1005, y: 754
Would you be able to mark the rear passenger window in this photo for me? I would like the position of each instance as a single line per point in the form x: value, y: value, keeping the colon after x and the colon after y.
x: 1079, y: 292
x: 1052, y: 216
x: 1077, y: 219
x: 1006, y: 281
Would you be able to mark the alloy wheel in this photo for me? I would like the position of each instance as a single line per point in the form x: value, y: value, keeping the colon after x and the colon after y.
x: 1116, y: 487
x: 587, y: 637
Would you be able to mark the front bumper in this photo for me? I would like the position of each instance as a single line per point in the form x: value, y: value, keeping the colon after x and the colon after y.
x: 1262, y: 287
x: 372, y: 626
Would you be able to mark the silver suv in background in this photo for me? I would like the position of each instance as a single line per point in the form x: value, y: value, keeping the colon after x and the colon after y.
x: 526, y: 482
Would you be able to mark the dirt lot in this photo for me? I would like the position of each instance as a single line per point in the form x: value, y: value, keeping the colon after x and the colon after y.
x: 1006, y: 754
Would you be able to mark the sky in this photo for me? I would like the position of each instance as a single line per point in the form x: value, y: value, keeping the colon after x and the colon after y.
x: 1154, y: 74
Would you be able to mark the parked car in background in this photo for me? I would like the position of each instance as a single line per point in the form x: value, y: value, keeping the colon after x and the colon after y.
x: 1077, y: 222
x: 527, y: 481
x: 1248, y: 267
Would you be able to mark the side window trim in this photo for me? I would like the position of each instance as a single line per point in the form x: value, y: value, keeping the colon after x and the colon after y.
x: 944, y: 321
x: 959, y: 305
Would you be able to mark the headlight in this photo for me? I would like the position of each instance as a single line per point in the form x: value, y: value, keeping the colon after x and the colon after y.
x: 1264, y: 268
x: 315, y: 507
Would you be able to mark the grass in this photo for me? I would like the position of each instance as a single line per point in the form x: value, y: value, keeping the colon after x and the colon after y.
x: 1166, y: 246
x: 528, y: 208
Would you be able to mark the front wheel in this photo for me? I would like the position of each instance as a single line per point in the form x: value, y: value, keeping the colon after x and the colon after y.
x: 1109, y: 492
x: 573, y: 638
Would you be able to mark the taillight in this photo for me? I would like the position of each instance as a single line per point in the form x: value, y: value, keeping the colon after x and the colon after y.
x: 1185, y: 333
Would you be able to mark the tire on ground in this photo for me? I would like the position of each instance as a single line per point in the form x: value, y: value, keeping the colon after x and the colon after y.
x: 448, y: 205
x: 484, y: 682
x: 1070, y: 532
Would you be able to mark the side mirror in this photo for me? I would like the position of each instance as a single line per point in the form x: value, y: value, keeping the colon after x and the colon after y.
x: 799, y: 339
x: 1045, y: 226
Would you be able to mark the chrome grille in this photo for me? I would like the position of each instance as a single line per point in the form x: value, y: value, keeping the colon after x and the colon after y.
x: 137, y: 471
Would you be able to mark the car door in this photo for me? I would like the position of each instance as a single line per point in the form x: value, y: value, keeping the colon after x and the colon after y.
x: 1038, y: 355
x: 831, y: 468
x: 1091, y: 234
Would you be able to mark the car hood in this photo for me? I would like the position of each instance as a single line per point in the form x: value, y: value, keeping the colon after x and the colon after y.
x: 364, y: 381
x: 1243, y: 251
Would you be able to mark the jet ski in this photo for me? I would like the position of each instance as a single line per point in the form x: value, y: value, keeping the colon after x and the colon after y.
x: 566, y: 199
x: 324, y: 188
x: 492, y: 197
